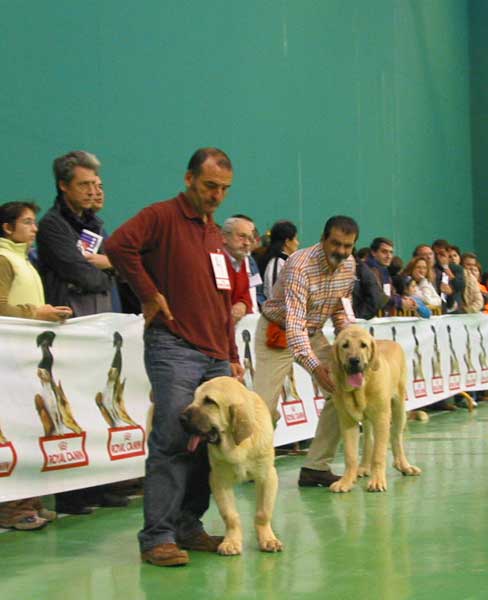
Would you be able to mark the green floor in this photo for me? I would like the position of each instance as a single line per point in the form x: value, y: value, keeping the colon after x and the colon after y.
x: 427, y: 537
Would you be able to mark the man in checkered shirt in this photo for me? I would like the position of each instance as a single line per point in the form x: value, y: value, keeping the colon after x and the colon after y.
x: 311, y: 288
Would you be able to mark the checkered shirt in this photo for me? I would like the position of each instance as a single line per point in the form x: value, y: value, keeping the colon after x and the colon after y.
x: 305, y: 295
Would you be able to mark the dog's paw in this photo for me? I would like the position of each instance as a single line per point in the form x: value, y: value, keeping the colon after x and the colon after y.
x: 377, y: 484
x: 271, y: 545
x: 230, y: 547
x: 364, y: 471
x: 341, y: 486
x: 407, y: 469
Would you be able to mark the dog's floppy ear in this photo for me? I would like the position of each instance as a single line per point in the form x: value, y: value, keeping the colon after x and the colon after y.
x: 331, y: 358
x: 374, y: 361
x: 240, y: 423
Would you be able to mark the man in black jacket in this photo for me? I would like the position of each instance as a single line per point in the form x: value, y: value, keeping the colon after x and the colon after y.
x: 71, y: 277
x: 75, y: 277
x: 367, y: 296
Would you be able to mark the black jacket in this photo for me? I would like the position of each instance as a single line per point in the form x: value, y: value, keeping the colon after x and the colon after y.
x: 68, y: 278
x: 453, y: 302
x: 367, y: 296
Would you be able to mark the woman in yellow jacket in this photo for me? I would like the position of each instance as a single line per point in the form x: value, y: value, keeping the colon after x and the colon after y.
x: 22, y: 295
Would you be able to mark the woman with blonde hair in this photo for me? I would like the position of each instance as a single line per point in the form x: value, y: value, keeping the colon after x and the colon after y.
x: 419, y: 269
x: 473, y: 270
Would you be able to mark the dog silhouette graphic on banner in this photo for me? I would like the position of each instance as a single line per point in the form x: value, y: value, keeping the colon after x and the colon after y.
x: 52, y: 404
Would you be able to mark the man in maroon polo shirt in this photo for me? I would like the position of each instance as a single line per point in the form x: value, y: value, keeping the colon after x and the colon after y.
x: 170, y: 254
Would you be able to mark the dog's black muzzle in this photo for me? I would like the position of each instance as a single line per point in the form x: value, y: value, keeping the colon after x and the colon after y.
x: 354, y: 366
x: 185, y: 421
x: 212, y: 436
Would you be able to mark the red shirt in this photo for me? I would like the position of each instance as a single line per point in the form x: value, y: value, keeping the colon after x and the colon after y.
x: 166, y: 248
x: 239, y: 282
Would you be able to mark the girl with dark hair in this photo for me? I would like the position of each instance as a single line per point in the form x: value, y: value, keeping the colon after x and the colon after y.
x: 283, y: 242
x: 22, y: 295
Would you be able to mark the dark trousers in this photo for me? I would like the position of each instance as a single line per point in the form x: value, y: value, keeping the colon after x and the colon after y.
x: 176, y: 488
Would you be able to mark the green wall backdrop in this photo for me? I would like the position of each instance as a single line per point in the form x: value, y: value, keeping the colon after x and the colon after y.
x: 479, y: 122
x: 325, y: 106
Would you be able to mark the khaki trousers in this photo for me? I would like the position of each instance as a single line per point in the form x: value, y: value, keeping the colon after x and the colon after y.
x: 272, y: 366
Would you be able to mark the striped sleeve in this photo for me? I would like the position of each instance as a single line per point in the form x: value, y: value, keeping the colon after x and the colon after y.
x: 296, y: 291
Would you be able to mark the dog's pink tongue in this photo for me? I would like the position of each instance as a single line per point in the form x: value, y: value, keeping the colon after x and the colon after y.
x: 356, y: 380
x: 193, y: 443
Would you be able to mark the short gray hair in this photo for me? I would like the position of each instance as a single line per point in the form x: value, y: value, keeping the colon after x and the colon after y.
x: 64, y: 166
x: 230, y: 223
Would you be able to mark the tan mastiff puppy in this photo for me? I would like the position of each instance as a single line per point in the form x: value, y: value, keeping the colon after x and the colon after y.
x: 237, y: 425
x: 370, y: 378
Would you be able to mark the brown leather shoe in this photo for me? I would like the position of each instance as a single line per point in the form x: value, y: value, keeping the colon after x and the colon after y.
x: 165, y: 555
x: 202, y: 542
x: 314, y: 478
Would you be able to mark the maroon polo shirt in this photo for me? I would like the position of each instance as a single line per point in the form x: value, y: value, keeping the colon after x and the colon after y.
x: 166, y: 248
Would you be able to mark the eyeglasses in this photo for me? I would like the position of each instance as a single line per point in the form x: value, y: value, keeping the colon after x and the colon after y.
x: 245, y: 238
x: 27, y: 222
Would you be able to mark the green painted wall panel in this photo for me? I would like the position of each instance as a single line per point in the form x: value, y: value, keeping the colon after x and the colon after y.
x: 479, y: 122
x: 325, y: 106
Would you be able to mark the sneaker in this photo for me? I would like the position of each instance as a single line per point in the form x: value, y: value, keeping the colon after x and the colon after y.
x: 314, y: 478
x: 29, y: 523
x: 49, y: 515
x: 202, y: 542
x: 165, y: 555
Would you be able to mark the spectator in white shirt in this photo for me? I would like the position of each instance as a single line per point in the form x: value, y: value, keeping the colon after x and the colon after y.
x: 283, y: 242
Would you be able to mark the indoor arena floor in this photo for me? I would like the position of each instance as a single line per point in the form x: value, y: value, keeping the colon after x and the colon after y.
x: 426, y: 538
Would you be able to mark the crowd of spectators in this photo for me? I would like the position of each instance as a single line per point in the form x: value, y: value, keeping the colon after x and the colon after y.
x: 439, y: 278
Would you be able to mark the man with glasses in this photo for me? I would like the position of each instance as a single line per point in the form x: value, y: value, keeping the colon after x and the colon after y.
x: 72, y: 277
x: 238, y: 241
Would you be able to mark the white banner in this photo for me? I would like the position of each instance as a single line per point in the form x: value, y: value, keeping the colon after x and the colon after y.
x: 75, y: 396
x: 74, y: 404
x: 445, y: 355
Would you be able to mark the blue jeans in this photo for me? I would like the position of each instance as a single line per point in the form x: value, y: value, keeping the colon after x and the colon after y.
x: 176, y: 488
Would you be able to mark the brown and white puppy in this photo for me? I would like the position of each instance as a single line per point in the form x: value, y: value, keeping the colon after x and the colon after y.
x: 236, y: 424
x: 370, y: 379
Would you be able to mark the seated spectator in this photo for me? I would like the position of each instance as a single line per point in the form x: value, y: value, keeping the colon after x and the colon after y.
x: 449, y: 279
x: 379, y: 259
x: 472, y: 296
x: 238, y: 238
x: 455, y: 255
x: 425, y: 251
x: 362, y: 254
x: 406, y: 286
x: 367, y: 296
x: 418, y: 268
x: 283, y: 243
x: 473, y: 267
x: 395, y: 266
x: 22, y: 295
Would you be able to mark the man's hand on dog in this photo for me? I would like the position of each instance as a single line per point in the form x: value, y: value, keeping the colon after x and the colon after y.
x: 237, y: 371
x: 324, y: 379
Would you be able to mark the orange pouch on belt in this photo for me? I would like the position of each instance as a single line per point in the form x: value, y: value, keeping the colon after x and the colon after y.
x: 275, y: 337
